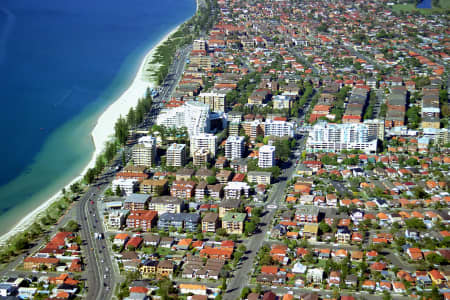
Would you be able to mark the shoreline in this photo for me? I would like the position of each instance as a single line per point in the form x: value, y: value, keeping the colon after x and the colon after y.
x: 102, y: 131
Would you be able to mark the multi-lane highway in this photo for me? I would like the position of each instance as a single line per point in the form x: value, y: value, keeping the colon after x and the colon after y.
x: 100, y: 274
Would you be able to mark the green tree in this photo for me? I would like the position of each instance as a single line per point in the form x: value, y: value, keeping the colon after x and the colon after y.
x: 110, y: 151
x: 244, y: 293
x: 118, y: 191
x: 282, y: 149
x: 415, y: 223
x: 75, y: 188
x: 435, y: 259
x: 221, y: 232
x: 72, y: 226
x: 89, y: 176
x: 324, y: 227
x: 413, y: 115
x: 131, y: 118
x: 99, y: 165
x: 20, y: 242
x: 211, y: 179
x: 249, y: 228
x: 121, y: 130
x: 412, y: 162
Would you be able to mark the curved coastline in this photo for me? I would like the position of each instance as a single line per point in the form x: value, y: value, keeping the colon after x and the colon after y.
x: 102, y: 131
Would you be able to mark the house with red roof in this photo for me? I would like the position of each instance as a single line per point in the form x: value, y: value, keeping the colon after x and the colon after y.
x: 134, y: 243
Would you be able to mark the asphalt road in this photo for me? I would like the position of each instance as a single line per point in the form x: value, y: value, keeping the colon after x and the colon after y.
x: 243, y: 271
x: 100, y: 272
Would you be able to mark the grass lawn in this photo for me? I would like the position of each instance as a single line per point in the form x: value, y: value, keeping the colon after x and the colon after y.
x: 163, y: 251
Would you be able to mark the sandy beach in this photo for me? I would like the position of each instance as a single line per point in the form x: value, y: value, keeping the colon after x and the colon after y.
x: 102, y: 132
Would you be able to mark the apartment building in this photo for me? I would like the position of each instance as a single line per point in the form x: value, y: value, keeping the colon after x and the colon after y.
x: 328, y: 137
x: 216, y: 99
x: 116, y: 218
x: 279, y: 128
x: 266, y: 156
x: 235, y: 189
x: 282, y: 102
x: 200, y: 45
x: 375, y: 129
x: 176, y: 155
x: 193, y: 115
x: 201, y: 157
x: 186, y: 221
x: 144, y: 152
x: 233, y: 223
x: 210, y: 222
x: 127, y: 186
x: 253, y: 128
x: 145, y: 219
x: 206, y: 141
x: 166, y: 204
x: 183, y: 189
x: 259, y: 177
x: 234, y: 147
x: 307, y: 214
x: 154, y: 187
x: 430, y: 108
x: 136, y: 202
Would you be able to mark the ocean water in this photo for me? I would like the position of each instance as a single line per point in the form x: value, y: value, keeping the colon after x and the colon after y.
x: 424, y: 4
x: 61, y: 64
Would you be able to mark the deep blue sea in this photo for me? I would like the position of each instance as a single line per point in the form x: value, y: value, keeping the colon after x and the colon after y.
x: 62, y: 62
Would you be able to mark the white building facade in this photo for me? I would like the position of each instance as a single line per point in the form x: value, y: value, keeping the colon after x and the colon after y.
x: 144, y: 153
x: 193, y: 115
x: 328, y: 137
x: 234, y: 147
x: 279, y: 128
x: 128, y: 186
x: 203, y: 141
x: 176, y: 155
x: 266, y: 157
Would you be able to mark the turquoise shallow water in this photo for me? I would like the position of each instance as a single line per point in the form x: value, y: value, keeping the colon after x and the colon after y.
x: 61, y: 64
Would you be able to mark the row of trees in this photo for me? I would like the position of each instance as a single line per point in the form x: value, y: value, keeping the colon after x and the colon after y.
x: 136, y: 115
x: 369, y: 110
x: 307, y: 92
x: 133, y: 118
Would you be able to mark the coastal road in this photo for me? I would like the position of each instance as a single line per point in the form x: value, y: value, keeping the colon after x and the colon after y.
x: 101, y: 277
